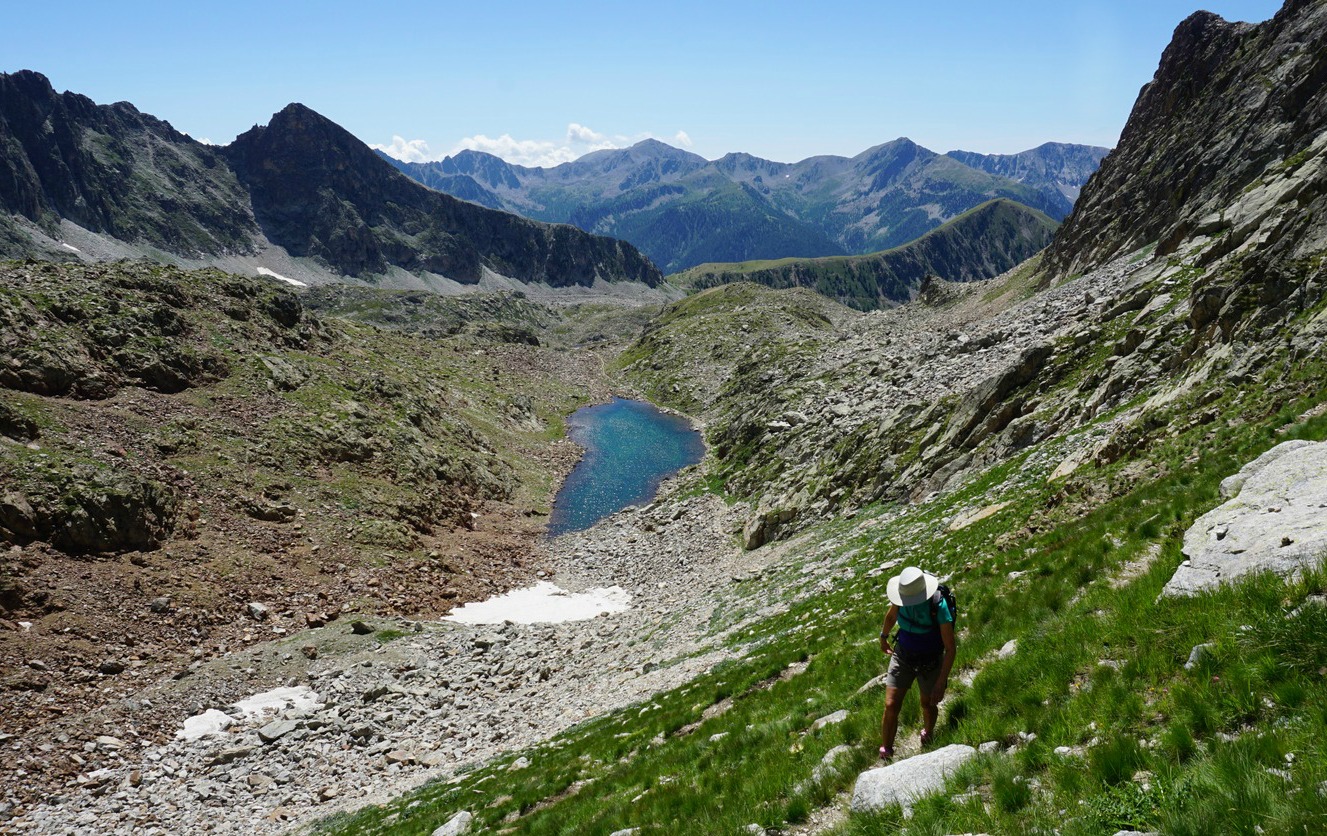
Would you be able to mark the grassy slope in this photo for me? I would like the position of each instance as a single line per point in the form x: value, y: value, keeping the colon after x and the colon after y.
x: 978, y: 244
x: 1207, y: 737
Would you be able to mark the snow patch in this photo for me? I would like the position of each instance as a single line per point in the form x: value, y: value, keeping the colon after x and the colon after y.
x: 263, y: 271
x: 299, y: 697
x: 70, y: 247
x: 208, y: 723
x: 543, y: 603
x: 257, y: 707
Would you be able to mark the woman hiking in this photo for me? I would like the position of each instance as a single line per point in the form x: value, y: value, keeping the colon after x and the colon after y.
x: 924, y: 651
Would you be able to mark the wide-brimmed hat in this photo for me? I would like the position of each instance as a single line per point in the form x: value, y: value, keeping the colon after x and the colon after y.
x: 912, y: 586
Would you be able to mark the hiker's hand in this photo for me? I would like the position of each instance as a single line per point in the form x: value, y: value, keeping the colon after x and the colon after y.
x: 884, y: 646
x: 939, y: 692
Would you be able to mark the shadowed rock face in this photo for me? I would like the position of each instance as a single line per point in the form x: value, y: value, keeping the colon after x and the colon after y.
x: 1229, y: 103
x: 306, y: 183
x: 114, y: 170
x: 320, y: 192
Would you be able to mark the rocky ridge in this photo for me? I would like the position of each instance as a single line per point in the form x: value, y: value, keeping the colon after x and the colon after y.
x: 297, y: 197
x: 1150, y: 333
x: 979, y: 244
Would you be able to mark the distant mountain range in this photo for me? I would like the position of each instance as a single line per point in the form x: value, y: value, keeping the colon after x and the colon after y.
x: 979, y: 244
x: 301, y: 184
x: 683, y: 210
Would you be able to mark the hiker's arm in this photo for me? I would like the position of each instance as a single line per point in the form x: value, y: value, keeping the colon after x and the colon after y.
x: 951, y: 650
x: 890, y: 618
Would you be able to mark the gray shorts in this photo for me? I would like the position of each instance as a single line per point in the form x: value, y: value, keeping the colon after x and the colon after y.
x: 901, y: 676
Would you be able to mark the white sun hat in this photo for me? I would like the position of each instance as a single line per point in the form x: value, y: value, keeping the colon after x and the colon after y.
x: 912, y: 586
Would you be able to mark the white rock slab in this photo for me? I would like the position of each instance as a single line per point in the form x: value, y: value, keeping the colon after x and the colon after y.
x: 456, y: 825
x: 1275, y: 520
x: 907, y: 781
x: 543, y: 603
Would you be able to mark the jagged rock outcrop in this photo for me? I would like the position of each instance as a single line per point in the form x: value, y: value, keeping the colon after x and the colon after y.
x: 301, y: 183
x: 1231, y: 105
x: 112, y: 169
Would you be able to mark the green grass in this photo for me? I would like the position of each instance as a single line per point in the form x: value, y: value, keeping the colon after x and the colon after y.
x: 1186, y: 751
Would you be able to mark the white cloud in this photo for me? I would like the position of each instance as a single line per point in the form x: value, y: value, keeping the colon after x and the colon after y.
x: 580, y: 133
x: 578, y: 141
x: 406, y: 150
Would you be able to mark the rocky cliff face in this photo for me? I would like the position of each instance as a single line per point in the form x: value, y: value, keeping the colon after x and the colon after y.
x: 319, y: 192
x: 112, y: 169
x: 1231, y: 109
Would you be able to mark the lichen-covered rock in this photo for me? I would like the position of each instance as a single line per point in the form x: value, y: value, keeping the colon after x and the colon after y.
x: 909, y: 780
x: 1275, y: 520
x: 111, y: 513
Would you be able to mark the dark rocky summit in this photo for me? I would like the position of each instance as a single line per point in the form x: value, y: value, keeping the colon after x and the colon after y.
x: 320, y: 192
x: 302, y: 183
x: 1231, y: 106
x: 112, y: 169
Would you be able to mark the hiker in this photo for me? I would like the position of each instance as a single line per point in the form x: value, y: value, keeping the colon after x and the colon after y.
x: 924, y: 651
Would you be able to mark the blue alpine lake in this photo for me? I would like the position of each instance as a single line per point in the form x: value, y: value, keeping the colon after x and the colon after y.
x: 630, y: 447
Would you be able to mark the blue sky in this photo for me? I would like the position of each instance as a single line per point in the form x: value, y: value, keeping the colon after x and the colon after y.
x: 542, y: 82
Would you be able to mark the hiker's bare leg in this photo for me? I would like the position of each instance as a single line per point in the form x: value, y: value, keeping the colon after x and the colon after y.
x: 889, y: 723
x: 930, y: 711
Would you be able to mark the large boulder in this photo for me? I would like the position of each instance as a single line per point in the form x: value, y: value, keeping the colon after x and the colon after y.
x: 908, y: 781
x: 114, y: 513
x: 1273, y: 520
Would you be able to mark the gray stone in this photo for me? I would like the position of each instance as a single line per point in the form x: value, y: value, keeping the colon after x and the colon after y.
x: 626, y: 831
x: 1009, y: 649
x: 456, y: 825
x: 829, y: 720
x: 106, y: 743
x: 276, y: 730
x: 111, y: 667
x: 256, y: 611
x: 909, y: 780
x: 872, y: 684
x: 160, y: 605
x: 989, y: 747
x: 829, y: 763
x: 1273, y: 521
x: 1197, y: 655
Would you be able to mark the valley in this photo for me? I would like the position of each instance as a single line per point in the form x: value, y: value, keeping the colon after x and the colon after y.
x: 237, y: 512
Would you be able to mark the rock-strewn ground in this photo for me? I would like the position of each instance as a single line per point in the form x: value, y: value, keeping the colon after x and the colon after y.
x: 411, y: 700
